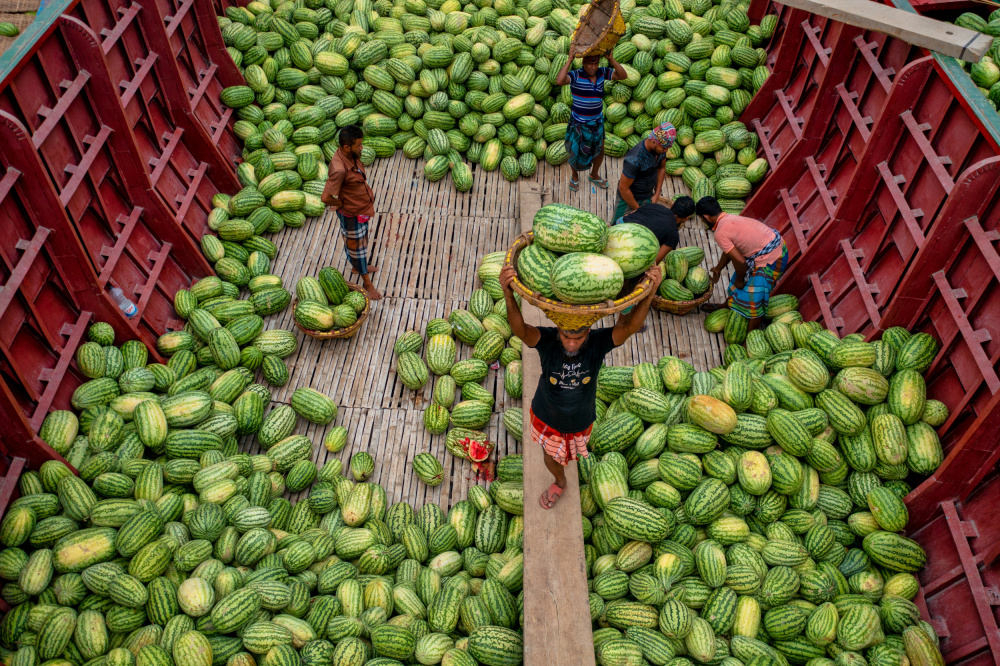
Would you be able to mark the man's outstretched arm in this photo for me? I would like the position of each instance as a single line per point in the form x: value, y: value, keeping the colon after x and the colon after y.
x: 529, y: 334
x: 628, y: 325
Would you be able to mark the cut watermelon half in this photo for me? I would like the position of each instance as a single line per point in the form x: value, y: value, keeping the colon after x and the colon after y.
x: 479, y: 453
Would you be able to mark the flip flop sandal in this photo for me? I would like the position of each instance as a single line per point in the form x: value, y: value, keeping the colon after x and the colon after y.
x: 550, y: 496
x: 574, y: 186
x: 600, y: 182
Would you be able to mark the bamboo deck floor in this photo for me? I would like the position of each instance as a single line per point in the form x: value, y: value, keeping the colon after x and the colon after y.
x: 19, y: 12
x: 427, y: 239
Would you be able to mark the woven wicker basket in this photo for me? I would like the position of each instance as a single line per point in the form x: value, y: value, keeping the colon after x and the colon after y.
x: 339, y: 333
x: 601, y: 26
x: 680, y: 308
x: 565, y: 316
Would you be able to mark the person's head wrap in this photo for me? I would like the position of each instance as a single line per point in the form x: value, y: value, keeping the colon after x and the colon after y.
x: 665, y: 134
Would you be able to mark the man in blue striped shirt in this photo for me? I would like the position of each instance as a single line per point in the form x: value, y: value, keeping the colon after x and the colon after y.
x: 585, y: 130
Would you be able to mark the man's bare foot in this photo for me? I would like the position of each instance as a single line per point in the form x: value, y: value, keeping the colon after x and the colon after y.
x: 371, y: 269
x: 372, y: 292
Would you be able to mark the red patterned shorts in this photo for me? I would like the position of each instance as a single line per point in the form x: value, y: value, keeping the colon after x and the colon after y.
x: 561, y: 447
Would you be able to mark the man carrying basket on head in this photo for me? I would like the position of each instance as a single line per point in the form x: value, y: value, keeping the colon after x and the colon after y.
x: 585, y: 131
x: 564, y: 408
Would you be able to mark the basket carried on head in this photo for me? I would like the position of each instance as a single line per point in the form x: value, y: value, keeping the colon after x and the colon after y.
x: 564, y: 315
x: 679, y: 308
x: 601, y: 26
x: 339, y: 333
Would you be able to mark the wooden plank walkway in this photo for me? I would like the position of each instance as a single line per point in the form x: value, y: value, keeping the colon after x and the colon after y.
x: 427, y: 240
x: 557, y: 626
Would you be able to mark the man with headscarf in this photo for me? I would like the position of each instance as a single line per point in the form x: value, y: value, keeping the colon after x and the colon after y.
x: 585, y: 131
x: 563, y: 410
x: 644, y: 170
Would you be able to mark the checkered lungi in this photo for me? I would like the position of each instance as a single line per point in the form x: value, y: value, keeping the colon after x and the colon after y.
x: 750, y: 302
x: 584, y: 142
x: 561, y: 447
x: 356, y: 229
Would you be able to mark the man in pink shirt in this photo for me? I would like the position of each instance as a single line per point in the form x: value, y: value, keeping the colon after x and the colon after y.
x: 759, y: 257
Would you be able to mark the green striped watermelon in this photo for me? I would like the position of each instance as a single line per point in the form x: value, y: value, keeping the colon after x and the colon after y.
x: 633, y: 247
x: 562, y: 228
x: 586, y: 278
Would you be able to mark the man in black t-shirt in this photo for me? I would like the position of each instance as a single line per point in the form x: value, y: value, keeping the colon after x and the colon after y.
x: 662, y: 221
x: 643, y: 170
x: 563, y: 409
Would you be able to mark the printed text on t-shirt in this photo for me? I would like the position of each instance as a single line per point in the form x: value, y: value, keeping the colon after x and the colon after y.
x: 569, y: 377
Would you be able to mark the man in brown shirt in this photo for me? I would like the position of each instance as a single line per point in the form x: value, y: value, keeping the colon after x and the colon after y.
x: 348, y: 192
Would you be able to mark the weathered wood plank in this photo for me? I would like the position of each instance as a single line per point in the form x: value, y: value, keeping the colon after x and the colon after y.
x: 922, y: 31
x: 557, y: 626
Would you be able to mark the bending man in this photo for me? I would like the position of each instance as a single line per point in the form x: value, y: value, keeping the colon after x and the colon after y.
x: 662, y: 221
x: 759, y: 257
x: 563, y: 409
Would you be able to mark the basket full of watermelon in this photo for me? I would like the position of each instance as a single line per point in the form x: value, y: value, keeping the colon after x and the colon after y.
x: 329, y: 307
x: 686, y: 285
x: 574, y: 268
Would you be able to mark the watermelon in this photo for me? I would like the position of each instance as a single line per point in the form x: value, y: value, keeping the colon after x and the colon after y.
x: 496, y: 646
x: 440, y: 354
x: 313, y: 405
x: 411, y: 370
x: 894, y: 552
x: 564, y: 229
x: 711, y: 414
x: 586, y: 278
x: 409, y: 341
x: 428, y: 469
x: 436, y: 419
x: 636, y: 520
x: 633, y: 247
x: 534, y: 267
x: 917, y: 353
x: 907, y: 395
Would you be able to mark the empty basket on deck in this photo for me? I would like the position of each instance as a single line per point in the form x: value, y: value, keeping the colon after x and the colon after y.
x: 564, y: 315
x: 601, y: 26
x: 679, y: 307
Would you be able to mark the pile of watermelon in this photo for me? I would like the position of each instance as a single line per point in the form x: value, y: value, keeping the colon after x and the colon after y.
x: 326, y: 303
x: 239, y: 251
x: 484, y: 327
x: 575, y: 258
x: 754, y: 513
x: 683, y: 277
x: 172, y: 547
x: 283, y: 191
x: 475, y: 84
x: 985, y: 73
x: 223, y: 331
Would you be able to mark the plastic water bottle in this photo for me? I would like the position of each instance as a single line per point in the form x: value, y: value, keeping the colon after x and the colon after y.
x: 126, y: 306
